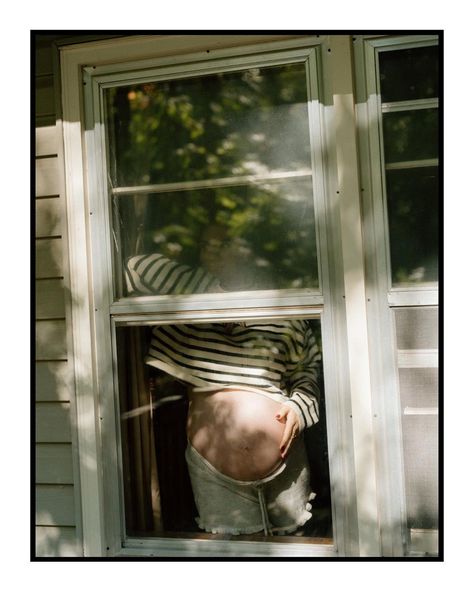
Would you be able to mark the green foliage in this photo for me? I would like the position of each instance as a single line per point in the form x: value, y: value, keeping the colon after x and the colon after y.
x: 413, y: 223
x: 213, y: 127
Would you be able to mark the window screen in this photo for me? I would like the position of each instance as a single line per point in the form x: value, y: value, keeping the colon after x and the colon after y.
x: 417, y: 331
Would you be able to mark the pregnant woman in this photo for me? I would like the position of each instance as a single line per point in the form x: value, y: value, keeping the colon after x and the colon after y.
x: 252, y: 391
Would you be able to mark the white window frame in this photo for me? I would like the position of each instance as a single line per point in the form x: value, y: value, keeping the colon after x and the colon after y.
x: 370, y: 109
x: 350, y: 421
x: 384, y: 298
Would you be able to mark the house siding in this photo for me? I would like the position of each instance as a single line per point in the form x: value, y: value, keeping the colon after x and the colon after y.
x: 57, y: 520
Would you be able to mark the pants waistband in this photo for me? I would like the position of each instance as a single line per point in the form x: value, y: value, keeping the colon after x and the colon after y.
x: 191, y: 451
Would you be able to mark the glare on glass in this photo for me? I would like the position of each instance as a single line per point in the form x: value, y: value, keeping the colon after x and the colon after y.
x: 259, y: 237
x: 213, y: 126
x: 211, y: 184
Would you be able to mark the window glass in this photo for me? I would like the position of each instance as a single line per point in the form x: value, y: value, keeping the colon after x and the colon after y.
x: 410, y: 135
x: 253, y: 237
x: 211, y: 183
x: 413, y: 224
x: 409, y: 74
x: 410, y: 139
x: 214, y: 126
x: 200, y: 438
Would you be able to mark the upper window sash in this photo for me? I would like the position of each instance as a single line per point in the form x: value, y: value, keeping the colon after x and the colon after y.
x: 96, y: 80
x: 370, y: 94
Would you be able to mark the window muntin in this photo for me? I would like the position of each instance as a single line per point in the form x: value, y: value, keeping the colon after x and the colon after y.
x: 408, y: 85
x: 228, y: 149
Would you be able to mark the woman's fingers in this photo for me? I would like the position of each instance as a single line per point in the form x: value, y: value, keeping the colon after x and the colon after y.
x: 282, y: 413
x: 291, y: 429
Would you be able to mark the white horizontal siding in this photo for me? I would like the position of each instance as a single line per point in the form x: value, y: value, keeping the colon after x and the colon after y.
x: 48, y: 217
x: 49, y: 258
x: 54, y: 464
x: 43, y: 58
x: 57, y: 541
x: 51, y: 340
x: 50, y: 299
x: 53, y: 381
x: 57, y: 517
x: 46, y: 141
x: 44, y: 95
x: 53, y: 423
x: 55, y: 505
x: 48, y: 181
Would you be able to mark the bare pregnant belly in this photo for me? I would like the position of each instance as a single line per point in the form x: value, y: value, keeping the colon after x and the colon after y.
x: 236, y: 431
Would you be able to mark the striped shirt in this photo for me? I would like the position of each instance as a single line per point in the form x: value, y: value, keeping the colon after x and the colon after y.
x: 156, y: 274
x: 275, y: 358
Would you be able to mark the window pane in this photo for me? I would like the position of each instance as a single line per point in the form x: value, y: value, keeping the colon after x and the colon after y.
x: 207, y: 127
x: 417, y: 327
x: 410, y: 135
x: 409, y: 74
x: 212, y: 240
x: 248, y: 370
x: 418, y: 387
x: 420, y: 446
x: 413, y: 224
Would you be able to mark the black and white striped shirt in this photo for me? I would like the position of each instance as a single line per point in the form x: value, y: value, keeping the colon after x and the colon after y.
x: 156, y: 274
x: 276, y: 358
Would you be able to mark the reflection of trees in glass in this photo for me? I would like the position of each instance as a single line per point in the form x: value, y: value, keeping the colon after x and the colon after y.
x: 413, y: 219
x: 211, y: 126
x: 276, y: 221
x: 253, y: 122
x: 410, y: 135
x: 407, y: 74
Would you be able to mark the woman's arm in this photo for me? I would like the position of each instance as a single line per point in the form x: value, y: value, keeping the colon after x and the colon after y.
x: 157, y: 274
x: 302, y: 408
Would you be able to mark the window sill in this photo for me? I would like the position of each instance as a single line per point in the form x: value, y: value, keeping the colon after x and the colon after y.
x: 209, y: 546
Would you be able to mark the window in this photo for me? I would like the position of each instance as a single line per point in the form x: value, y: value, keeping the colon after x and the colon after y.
x: 208, y: 188
x: 399, y: 129
x: 409, y: 91
x: 410, y: 135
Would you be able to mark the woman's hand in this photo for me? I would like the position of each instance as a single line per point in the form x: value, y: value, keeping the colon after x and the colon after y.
x: 288, y: 416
